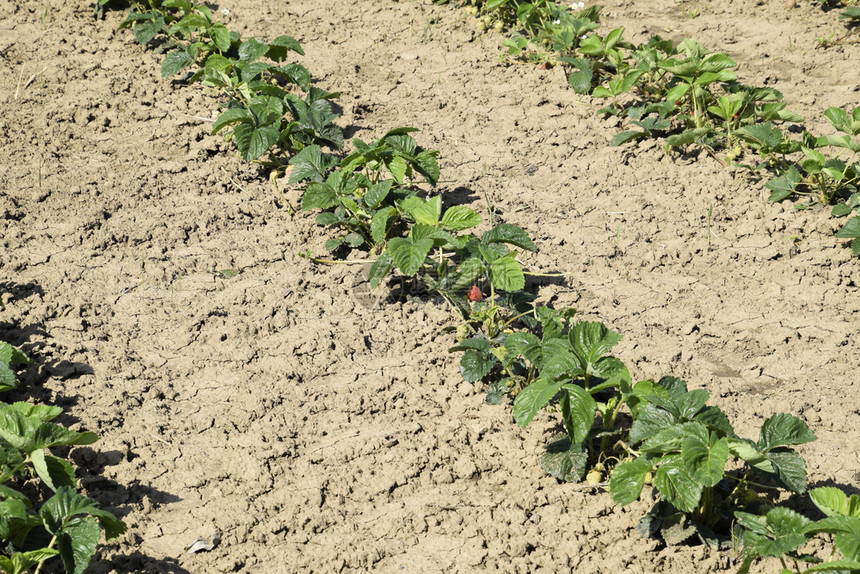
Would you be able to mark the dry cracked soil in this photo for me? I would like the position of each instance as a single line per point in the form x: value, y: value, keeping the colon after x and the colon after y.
x: 317, y: 427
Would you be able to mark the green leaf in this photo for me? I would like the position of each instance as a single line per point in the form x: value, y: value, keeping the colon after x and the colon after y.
x: 578, y: 408
x: 231, y: 116
x: 706, y: 460
x: 624, y: 137
x: 650, y: 421
x: 280, y: 47
x: 21, y: 562
x: 590, y: 340
x: 716, y: 421
x: 674, y: 482
x: 687, y: 137
x: 409, y: 255
x: 581, y: 79
x: 398, y: 168
x: 677, y: 92
x: 53, y: 471
x: 379, y: 224
x: 311, y: 163
x: 333, y: 245
x: 761, y: 136
x: 511, y: 234
x: 847, y: 534
x: 790, y: 468
x: 11, y: 355
x: 77, y: 543
x: 816, y: 156
x: 146, y: 30
x: 830, y: 500
x: 523, y: 344
x: 66, y: 504
x: 327, y: 218
x: 558, y: 359
x: 220, y: 36
x: 564, y: 460
x: 478, y: 342
x: 784, y: 185
x: 784, y: 532
x: 838, y: 118
x: 475, y: 365
x: 252, y: 50
x: 851, y: 229
x: 507, y: 274
x: 691, y: 402
x: 840, y: 210
x: 43, y: 413
x: 353, y: 239
x: 319, y: 196
x: 15, y: 520
x: 532, y: 398
x: 627, y: 480
x: 611, y: 369
x: 267, y: 109
x: 836, y: 566
x: 425, y: 163
x: 253, y: 141
x: 380, y: 268
x: 834, y: 502
x: 458, y: 218
x: 671, y: 438
x: 175, y: 62
x: 783, y: 430
x: 428, y: 211
x: 377, y: 193
x: 295, y: 73
x: 747, y: 450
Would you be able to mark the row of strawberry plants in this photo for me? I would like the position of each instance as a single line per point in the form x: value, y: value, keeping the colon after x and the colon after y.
x: 689, y: 96
x: 42, y: 514
x: 263, y: 114
x: 379, y: 199
x: 711, y: 484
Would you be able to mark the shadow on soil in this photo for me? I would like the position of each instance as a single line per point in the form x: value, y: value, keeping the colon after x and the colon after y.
x: 90, y: 463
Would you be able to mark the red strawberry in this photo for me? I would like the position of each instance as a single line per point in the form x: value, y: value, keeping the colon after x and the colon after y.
x: 475, y: 293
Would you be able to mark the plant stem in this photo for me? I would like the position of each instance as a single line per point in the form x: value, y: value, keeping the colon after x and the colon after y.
x: 565, y: 274
x: 51, y: 545
x: 335, y: 261
x: 515, y: 317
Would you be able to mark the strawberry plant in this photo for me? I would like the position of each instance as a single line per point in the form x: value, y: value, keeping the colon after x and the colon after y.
x: 359, y: 198
x: 264, y: 116
x: 686, y: 446
x: 825, y: 180
x: 49, y: 518
x: 782, y: 532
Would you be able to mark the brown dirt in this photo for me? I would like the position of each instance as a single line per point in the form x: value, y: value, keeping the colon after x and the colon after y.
x: 320, y: 429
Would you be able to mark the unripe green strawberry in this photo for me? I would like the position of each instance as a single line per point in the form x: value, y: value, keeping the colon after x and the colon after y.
x: 594, y: 476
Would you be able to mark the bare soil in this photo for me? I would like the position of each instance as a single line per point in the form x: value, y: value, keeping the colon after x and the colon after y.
x: 320, y: 428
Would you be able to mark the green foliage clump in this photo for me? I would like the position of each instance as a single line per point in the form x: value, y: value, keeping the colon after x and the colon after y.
x: 42, y: 515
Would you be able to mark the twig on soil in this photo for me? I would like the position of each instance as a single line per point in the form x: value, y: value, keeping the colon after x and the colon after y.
x: 565, y: 274
x: 159, y: 439
x: 33, y: 77
x: 201, y: 118
x: 18, y: 87
x: 239, y: 187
